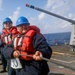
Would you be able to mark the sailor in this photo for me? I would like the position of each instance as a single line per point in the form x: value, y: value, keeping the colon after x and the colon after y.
x: 8, y: 33
x: 29, y: 46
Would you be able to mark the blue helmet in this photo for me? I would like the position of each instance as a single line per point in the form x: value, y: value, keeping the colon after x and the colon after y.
x: 22, y: 20
x: 7, y: 20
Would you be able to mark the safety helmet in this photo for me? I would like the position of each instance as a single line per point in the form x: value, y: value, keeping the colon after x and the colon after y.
x: 22, y: 20
x: 7, y: 20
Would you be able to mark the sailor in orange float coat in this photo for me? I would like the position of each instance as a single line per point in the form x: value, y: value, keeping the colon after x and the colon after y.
x: 29, y: 42
x: 7, y: 35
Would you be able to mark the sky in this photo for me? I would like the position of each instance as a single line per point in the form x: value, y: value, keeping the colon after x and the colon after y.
x: 47, y: 23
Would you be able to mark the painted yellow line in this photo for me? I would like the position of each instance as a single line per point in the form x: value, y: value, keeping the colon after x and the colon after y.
x: 62, y: 61
x: 60, y: 53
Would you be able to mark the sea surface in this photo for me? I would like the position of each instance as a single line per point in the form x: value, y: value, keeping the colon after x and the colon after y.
x: 58, y: 38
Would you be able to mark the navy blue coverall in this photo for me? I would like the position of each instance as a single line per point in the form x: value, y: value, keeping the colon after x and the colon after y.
x: 4, y: 62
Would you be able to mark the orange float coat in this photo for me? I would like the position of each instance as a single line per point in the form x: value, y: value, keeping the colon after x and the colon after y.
x: 23, y: 43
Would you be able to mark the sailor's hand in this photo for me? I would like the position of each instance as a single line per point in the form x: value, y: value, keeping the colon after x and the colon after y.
x: 37, y: 56
x: 16, y: 53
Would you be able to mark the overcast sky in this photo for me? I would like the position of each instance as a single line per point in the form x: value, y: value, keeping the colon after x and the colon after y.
x: 47, y: 23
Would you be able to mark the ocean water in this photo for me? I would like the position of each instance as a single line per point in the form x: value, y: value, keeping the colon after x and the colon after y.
x: 58, y: 38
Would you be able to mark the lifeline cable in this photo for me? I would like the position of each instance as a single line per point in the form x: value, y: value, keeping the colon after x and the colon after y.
x: 32, y: 56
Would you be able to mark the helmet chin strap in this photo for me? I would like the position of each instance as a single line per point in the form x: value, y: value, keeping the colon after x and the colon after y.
x: 24, y: 32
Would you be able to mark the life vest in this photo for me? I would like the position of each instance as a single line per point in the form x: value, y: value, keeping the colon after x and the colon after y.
x: 23, y: 43
x: 7, y: 36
